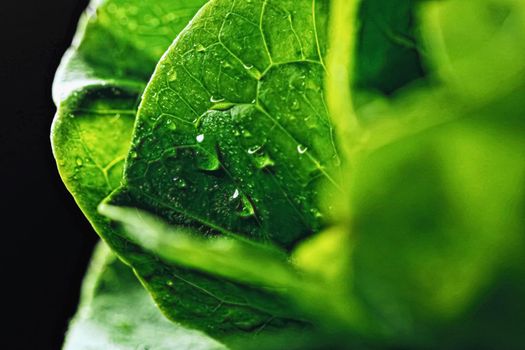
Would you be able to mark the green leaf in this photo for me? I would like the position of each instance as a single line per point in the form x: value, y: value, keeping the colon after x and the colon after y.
x: 232, y: 139
x: 389, y: 56
x: 237, y: 260
x: 117, y: 313
x: 247, y: 168
x: 479, y: 58
x: 438, y: 193
x: 302, y: 287
x: 97, y: 89
x: 437, y: 219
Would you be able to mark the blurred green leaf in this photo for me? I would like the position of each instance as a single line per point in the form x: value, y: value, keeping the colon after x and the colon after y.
x: 239, y: 260
x: 117, y: 313
x: 388, y: 52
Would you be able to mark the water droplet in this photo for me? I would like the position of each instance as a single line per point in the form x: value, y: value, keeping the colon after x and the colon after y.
x: 79, y: 161
x: 236, y: 194
x: 180, y: 183
x: 208, y: 159
x: 247, y: 208
x: 302, y: 149
x: 316, y: 213
x: 200, y: 138
x: 264, y: 161
x: 216, y: 100
x: 254, y: 149
x: 200, y: 48
x: 254, y: 72
x: 172, y: 74
x: 311, y: 122
x: 145, y: 187
x: 171, y: 125
x: 133, y: 155
x: 222, y: 106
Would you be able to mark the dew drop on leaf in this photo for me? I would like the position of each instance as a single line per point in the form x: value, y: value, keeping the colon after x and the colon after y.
x: 236, y: 194
x: 172, y: 74
x: 302, y: 149
x: 316, y: 213
x: 216, y: 100
x: 264, y: 161
x: 254, y: 149
x: 247, y: 208
x: 200, y: 48
x: 207, y: 160
x: 311, y: 122
x: 180, y: 183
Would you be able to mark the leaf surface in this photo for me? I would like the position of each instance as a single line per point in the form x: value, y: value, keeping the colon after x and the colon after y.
x: 97, y: 89
x: 117, y: 313
x: 388, y: 50
x: 220, y: 146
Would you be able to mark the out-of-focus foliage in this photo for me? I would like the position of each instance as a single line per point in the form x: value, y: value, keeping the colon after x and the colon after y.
x: 321, y: 174
x: 117, y: 313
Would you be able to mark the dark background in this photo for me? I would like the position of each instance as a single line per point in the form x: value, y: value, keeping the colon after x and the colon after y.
x: 45, y: 240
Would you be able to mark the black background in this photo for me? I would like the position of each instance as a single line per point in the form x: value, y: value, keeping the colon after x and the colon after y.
x: 45, y: 240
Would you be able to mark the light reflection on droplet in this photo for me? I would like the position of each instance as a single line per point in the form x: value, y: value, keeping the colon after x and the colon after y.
x: 236, y: 194
x: 302, y: 149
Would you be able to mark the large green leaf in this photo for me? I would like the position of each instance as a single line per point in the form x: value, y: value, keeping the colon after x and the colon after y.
x: 315, y: 290
x: 220, y: 256
x: 221, y: 137
x: 219, y: 146
x: 97, y: 97
x: 97, y: 89
x: 117, y: 313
